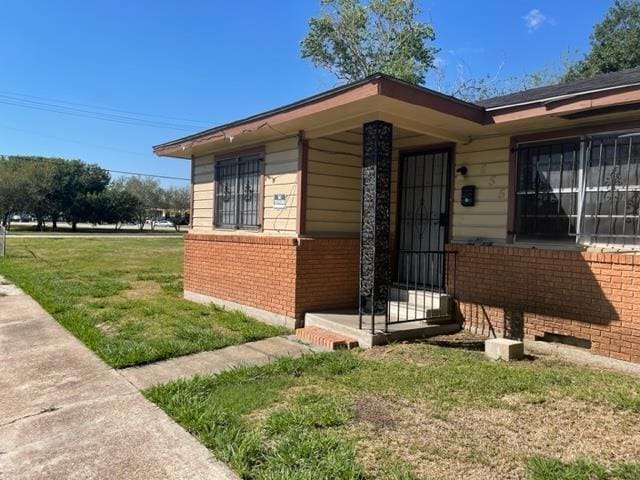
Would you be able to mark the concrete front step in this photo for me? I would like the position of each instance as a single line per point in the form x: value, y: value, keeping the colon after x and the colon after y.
x: 346, y: 323
x: 420, y: 298
x: 325, y: 338
x: 404, y: 311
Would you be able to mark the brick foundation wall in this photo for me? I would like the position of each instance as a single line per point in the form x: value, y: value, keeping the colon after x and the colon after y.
x: 328, y: 273
x: 258, y: 271
x: 525, y: 293
x: 282, y: 275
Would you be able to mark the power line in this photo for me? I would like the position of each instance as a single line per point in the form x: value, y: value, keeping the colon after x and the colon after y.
x: 98, y: 116
x: 147, y: 175
x: 95, y: 115
x: 140, y: 124
x: 116, y: 149
x: 106, y: 116
x: 99, y: 107
x: 122, y: 172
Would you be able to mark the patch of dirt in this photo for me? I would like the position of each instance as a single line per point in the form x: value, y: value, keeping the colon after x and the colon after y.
x: 287, y: 399
x: 493, y: 443
x: 400, y: 351
x: 106, y: 328
x: 141, y: 289
x: 461, y: 339
x: 413, y: 352
x: 377, y: 411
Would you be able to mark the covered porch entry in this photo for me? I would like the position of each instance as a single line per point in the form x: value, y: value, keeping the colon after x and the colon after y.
x: 406, y: 283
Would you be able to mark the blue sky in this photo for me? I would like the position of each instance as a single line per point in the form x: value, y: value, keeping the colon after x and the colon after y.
x: 214, y: 61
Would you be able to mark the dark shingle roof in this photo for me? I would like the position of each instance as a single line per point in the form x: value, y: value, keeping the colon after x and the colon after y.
x: 606, y: 80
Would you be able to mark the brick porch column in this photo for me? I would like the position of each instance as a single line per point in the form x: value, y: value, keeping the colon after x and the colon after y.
x: 375, y: 274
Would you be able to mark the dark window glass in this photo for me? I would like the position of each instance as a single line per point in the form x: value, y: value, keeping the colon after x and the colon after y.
x: 237, y: 192
x: 547, y: 190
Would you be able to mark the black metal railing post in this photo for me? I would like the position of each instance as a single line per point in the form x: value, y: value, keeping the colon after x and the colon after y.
x: 427, y: 280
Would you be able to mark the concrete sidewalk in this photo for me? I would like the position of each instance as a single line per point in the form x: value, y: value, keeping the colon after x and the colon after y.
x: 64, y: 414
x: 207, y: 363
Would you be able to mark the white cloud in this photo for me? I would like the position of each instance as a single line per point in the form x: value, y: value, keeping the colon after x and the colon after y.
x: 462, y: 51
x: 535, y: 19
x: 439, y: 62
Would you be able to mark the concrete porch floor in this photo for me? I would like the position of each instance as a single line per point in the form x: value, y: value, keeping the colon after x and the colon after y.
x: 345, y: 322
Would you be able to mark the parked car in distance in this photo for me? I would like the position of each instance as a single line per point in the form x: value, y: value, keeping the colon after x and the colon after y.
x: 163, y: 223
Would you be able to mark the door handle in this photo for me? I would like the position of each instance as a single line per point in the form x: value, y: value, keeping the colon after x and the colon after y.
x: 444, y: 220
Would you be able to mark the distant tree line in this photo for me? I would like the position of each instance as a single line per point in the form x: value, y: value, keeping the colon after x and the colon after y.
x: 55, y: 189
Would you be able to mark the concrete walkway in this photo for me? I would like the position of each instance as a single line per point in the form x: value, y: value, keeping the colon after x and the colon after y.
x: 65, y: 415
x: 254, y: 353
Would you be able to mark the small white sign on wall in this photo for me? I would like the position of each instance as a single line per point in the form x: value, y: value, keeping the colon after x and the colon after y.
x: 279, y: 200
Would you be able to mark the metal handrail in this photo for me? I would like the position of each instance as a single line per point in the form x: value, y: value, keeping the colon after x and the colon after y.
x: 436, y: 266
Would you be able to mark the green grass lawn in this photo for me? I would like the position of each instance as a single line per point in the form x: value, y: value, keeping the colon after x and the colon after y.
x: 413, y: 411
x: 84, y: 229
x: 123, y: 297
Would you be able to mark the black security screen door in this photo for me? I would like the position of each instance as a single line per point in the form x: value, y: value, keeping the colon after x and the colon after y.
x: 423, y: 218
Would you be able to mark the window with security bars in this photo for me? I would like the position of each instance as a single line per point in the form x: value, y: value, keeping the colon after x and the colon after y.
x: 610, y: 212
x: 237, y: 190
x: 547, y: 190
x: 585, y: 189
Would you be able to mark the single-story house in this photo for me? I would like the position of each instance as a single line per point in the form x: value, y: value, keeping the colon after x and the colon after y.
x: 404, y: 208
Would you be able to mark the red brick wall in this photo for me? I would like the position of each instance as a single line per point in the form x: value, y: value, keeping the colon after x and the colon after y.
x: 283, y: 275
x: 527, y: 292
x: 328, y: 272
x: 258, y: 271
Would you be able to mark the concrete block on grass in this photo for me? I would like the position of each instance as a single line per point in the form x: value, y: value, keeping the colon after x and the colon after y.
x: 504, y: 349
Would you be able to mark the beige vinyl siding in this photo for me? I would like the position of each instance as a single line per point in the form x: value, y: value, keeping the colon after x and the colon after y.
x: 333, y: 186
x: 334, y: 177
x: 203, y: 192
x: 487, y: 162
x: 281, y: 176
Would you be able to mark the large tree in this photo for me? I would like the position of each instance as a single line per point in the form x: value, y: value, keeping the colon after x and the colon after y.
x: 148, y: 193
x: 176, y: 201
x: 49, y: 187
x: 35, y: 177
x: 471, y: 89
x: 114, y: 205
x: 73, y: 181
x: 354, y: 39
x: 615, y: 42
x: 81, y: 181
x: 13, y: 183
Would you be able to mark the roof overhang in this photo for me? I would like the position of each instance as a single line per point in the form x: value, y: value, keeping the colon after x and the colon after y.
x: 408, y: 106
x: 565, y: 106
x: 335, y: 110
